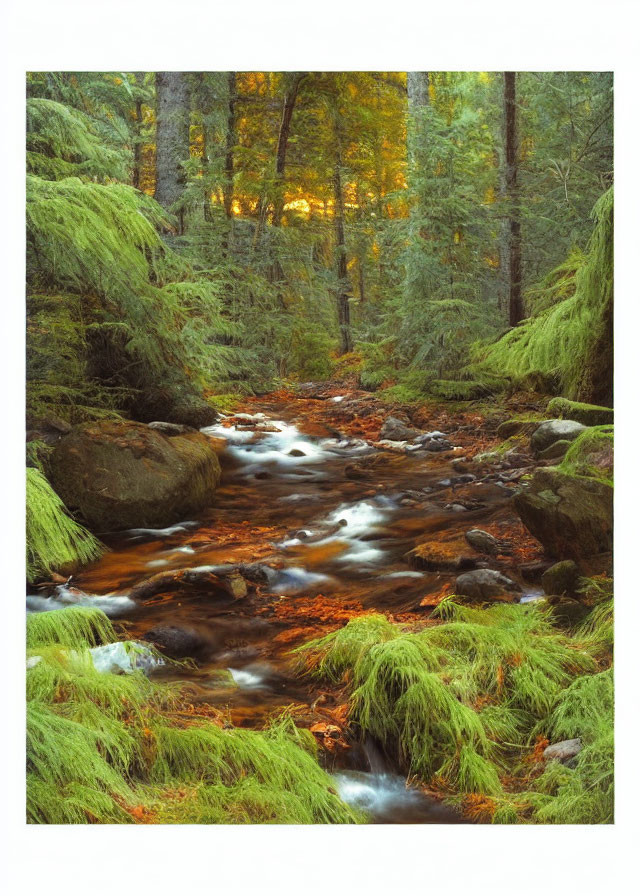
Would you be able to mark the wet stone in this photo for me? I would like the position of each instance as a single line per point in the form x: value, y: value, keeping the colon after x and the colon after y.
x: 486, y: 584
x: 482, y: 541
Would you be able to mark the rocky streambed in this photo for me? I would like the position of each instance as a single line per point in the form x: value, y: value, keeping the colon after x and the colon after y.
x: 330, y: 507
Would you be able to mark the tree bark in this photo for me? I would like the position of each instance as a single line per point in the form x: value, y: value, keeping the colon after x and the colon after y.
x: 418, y: 100
x: 230, y: 143
x: 344, y: 312
x: 137, y: 146
x: 283, y: 142
x: 417, y: 90
x: 513, y: 235
x: 172, y: 138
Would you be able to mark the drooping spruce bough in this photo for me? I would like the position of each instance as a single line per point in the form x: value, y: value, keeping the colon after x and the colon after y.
x: 106, y: 748
x: 569, y: 336
x: 55, y: 541
x: 460, y: 704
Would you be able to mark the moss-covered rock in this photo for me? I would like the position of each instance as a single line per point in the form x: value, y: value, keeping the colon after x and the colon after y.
x: 555, y: 451
x: 572, y: 516
x: 515, y: 427
x: 552, y: 431
x: 589, y: 414
x: 561, y: 578
x: 591, y: 455
x: 120, y: 475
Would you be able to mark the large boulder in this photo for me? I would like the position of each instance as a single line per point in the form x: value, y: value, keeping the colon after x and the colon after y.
x: 552, y: 431
x: 123, y: 475
x: 572, y: 516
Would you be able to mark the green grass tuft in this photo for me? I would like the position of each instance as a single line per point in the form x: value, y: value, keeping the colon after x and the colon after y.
x: 73, y: 627
x: 457, y: 703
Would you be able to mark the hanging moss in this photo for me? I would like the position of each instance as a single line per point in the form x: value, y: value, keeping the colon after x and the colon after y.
x: 54, y: 540
x: 571, y: 335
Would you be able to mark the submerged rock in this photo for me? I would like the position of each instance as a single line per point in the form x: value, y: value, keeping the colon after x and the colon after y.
x: 486, y: 584
x: 572, y: 516
x: 553, y: 430
x: 176, y: 641
x: 433, y: 441
x: 123, y: 475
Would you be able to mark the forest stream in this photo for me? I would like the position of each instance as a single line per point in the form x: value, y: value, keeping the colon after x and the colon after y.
x: 318, y: 523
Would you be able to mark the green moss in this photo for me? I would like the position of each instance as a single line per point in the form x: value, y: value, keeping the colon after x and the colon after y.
x: 584, y: 793
x: 446, y: 701
x: 62, y: 753
x: 591, y: 455
x: 467, y: 390
x: 589, y: 414
x: 568, y: 338
x: 100, y: 745
x: 54, y: 540
x: 596, y: 631
x: 240, y: 772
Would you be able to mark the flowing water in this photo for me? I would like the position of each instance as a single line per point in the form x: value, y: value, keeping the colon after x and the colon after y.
x: 324, y: 522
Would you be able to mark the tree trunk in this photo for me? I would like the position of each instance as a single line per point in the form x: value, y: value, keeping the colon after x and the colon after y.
x: 137, y: 145
x: 417, y: 90
x: 172, y: 139
x: 281, y: 159
x: 230, y: 143
x: 283, y: 142
x: 513, y: 236
x: 418, y: 101
x: 344, y: 315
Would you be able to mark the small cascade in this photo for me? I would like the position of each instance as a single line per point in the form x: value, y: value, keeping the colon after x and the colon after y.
x: 383, y: 794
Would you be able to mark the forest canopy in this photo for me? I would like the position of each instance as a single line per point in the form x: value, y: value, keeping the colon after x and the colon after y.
x: 224, y: 232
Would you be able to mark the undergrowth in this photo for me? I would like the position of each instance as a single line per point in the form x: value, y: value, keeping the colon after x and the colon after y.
x: 459, y: 703
x: 106, y: 748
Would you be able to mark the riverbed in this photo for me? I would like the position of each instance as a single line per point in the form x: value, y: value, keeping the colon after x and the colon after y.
x: 319, y: 521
